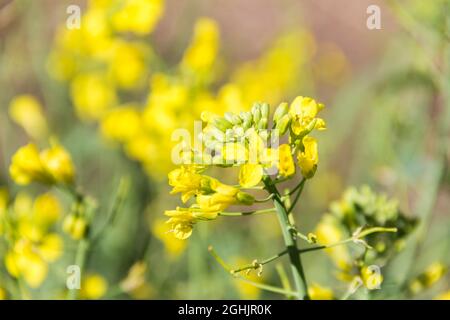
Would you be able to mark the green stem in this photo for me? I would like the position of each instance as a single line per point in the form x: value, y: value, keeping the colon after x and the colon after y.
x: 289, y: 240
x: 257, y: 264
x: 80, y: 261
x: 248, y: 213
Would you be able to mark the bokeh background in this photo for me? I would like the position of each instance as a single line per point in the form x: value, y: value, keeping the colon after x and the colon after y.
x: 113, y: 91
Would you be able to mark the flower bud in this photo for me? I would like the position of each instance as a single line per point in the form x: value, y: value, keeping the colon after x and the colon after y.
x: 280, y: 111
x: 222, y: 124
x: 231, y: 117
x: 265, y: 110
x: 283, y: 124
x: 256, y: 112
x: 245, y: 198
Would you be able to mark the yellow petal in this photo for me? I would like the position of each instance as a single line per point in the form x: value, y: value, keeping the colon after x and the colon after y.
x: 250, y: 175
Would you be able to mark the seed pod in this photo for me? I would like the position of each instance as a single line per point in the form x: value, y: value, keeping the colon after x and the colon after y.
x: 280, y: 111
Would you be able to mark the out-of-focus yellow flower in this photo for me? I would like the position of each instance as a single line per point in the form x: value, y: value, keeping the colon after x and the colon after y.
x: 122, y: 124
x: 94, y: 286
x: 443, y: 296
x: 328, y: 232
x: 250, y: 175
x: 2, y: 294
x: 173, y: 246
x: 26, y: 166
x: 26, y: 111
x: 138, y: 16
x: 371, y: 279
x: 58, y: 163
x: 4, y: 198
x: 308, y: 159
x: 317, y: 292
x: 127, y: 66
x: 135, y: 277
x: 286, y: 165
x: 433, y: 273
x: 46, y: 209
x: 200, y: 56
x: 92, y: 95
x: 30, y: 260
x: 303, y: 111
x: 75, y: 226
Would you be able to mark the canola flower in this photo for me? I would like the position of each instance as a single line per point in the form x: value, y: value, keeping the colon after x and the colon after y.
x: 32, y: 246
x: 249, y: 140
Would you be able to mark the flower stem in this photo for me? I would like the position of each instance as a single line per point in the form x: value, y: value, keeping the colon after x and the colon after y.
x: 289, y: 240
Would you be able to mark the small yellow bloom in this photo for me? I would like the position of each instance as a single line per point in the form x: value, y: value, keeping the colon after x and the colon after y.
x: 308, y: 159
x: 46, y: 209
x: 443, y: 296
x: 122, y: 124
x: 303, y: 112
x: 2, y: 294
x: 58, y: 163
x: 138, y: 16
x: 75, y: 226
x: 371, y: 278
x: 186, y: 181
x: 286, y: 165
x: 26, y: 166
x: 433, y: 273
x: 250, y: 175
x: 26, y: 111
x: 181, y: 226
x: 92, y: 95
x: 317, y: 292
x: 94, y: 286
x: 174, y: 246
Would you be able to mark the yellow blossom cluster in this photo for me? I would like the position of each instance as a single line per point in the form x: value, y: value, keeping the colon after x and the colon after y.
x: 27, y: 226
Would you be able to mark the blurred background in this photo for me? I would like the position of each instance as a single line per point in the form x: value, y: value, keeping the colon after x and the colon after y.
x: 112, y: 91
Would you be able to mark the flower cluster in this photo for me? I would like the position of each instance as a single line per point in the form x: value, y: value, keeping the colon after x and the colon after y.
x: 27, y: 225
x: 49, y: 166
x: 241, y: 140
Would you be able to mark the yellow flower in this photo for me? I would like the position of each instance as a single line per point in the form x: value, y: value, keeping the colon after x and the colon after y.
x: 180, y: 222
x: 2, y: 294
x: 4, y: 198
x: 317, y: 292
x: 202, y: 52
x: 328, y: 232
x: 92, y: 95
x: 52, y: 165
x: 174, y: 246
x: 433, y: 273
x: 250, y: 175
x: 94, y: 286
x: 308, y: 159
x: 135, y: 277
x: 75, y: 226
x: 26, y: 111
x: 286, y: 165
x: 443, y: 296
x: 58, y: 163
x: 138, y: 16
x: 122, y: 124
x: 127, y: 66
x: 46, y: 209
x: 303, y: 111
x: 371, y: 279
x: 186, y: 181
x: 26, y: 166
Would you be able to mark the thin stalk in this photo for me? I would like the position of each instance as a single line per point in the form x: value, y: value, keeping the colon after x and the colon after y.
x: 248, y: 213
x: 258, y: 264
x: 289, y: 240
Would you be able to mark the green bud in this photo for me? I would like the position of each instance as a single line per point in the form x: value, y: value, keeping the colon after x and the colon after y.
x: 265, y: 110
x: 280, y: 111
x: 233, y: 118
x: 283, y: 124
x: 256, y: 112
x: 262, y: 124
x: 245, y: 198
x: 222, y: 124
x: 218, y: 134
